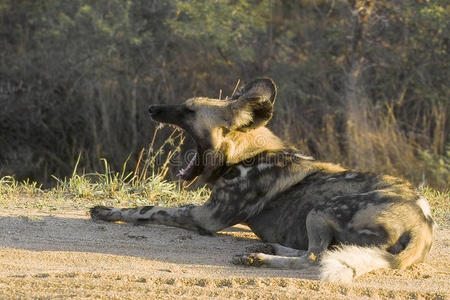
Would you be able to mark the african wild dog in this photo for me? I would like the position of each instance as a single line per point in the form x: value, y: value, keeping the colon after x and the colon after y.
x: 308, y: 212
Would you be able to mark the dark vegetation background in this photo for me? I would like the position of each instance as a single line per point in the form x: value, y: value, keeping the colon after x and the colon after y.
x: 362, y: 83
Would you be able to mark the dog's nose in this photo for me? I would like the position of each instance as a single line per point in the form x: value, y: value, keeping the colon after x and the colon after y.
x: 152, y: 109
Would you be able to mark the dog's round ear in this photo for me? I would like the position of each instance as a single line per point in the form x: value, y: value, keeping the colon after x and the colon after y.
x: 265, y: 88
x: 253, y: 104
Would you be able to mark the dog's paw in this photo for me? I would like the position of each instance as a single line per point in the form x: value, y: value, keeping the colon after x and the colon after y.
x: 261, y: 248
x: 104, y: 213
x: 252, y: 259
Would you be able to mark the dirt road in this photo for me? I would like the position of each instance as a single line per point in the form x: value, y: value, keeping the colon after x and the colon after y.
x: 65, y: 254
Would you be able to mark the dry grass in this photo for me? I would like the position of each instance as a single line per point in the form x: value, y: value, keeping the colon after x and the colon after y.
x: 146, y: 184
x: 440, y: 204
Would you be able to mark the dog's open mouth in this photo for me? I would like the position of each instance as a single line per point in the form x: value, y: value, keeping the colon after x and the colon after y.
x: 196, y: 163
x: 192, y: 169
x: 183, y: 171
x: 170, y: 115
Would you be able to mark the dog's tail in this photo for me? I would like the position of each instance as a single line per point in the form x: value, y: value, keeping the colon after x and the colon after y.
x: 349, y: 261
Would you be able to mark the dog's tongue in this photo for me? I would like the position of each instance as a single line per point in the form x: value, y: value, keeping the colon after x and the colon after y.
x: 183, y: 172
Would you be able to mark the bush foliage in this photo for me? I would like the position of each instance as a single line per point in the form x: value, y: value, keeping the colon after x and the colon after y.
x: 362, y: 83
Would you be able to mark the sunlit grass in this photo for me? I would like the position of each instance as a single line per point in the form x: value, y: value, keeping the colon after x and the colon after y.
x: 9, y: 186
x: 440, y: 204
x: 145, y: 184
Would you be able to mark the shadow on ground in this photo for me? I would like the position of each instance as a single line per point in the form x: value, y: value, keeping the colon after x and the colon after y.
x: 150, y: 242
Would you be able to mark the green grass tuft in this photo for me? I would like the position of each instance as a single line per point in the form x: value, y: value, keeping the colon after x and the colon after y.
x: 146, y: 184
x: 440, y: 204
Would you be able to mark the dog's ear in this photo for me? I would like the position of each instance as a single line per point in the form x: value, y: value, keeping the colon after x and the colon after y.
x: 253, y: 104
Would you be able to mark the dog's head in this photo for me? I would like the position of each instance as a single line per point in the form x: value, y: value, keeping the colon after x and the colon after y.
x: 210, y: 121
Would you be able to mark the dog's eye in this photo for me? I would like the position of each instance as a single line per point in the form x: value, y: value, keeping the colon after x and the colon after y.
x: 188, y: 110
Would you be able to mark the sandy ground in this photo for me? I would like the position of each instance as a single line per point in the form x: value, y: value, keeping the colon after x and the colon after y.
x: 65, y: 254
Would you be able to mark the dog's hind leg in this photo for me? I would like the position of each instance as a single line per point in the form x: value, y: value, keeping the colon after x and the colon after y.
x: 320, y: 234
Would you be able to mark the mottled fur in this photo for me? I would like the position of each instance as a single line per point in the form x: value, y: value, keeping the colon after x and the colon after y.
x: 307, y: 212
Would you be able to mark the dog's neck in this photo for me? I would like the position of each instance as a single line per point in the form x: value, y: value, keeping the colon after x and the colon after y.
x: 237, y: 146
x: 233, y: 147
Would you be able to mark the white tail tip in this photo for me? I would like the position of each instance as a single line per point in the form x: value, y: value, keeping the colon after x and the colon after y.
x: 348, y: 262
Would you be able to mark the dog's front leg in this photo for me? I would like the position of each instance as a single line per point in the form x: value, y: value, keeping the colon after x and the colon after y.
x: 201, y: 219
